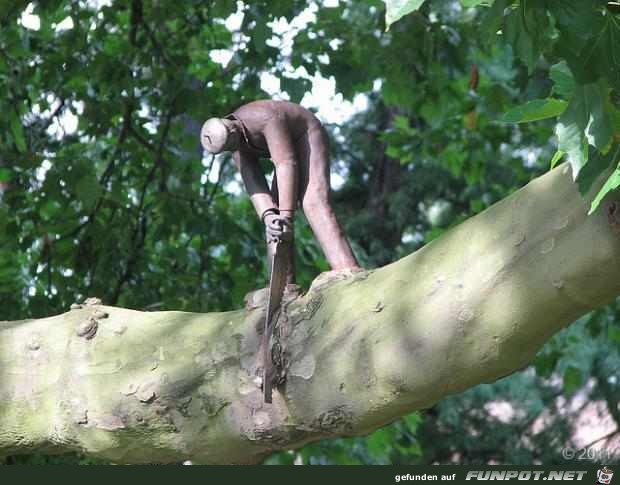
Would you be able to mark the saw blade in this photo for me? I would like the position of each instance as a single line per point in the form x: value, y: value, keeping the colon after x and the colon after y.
x: 277, y: 284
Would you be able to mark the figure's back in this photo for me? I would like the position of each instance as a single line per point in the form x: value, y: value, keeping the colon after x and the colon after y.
x: 256, y: 114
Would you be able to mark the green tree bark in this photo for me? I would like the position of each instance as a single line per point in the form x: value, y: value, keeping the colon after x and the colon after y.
x: 358, y: 351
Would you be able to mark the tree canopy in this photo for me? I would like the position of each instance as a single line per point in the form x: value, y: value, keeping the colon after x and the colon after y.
x: 105, y: 192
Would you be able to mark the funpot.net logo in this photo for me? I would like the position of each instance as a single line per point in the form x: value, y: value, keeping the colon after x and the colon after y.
x: 525, y: 475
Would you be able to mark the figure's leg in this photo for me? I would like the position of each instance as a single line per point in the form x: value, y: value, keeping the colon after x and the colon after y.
x: 315, y: 199
x: 290, y: 276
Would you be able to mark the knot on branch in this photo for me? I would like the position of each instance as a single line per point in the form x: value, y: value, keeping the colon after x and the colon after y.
x: 336, y: 420
x: 613, y: 216
x: 87, y: 329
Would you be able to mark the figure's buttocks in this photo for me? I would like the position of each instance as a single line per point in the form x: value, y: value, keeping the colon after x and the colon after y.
x: 257, y: 115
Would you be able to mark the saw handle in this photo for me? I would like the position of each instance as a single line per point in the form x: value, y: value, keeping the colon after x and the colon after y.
x: 286, y: 224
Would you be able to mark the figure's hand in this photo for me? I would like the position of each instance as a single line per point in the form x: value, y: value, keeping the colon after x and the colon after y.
x: 278, y: 227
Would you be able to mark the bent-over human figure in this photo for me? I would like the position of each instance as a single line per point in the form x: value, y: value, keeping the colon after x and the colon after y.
x: 298, y: 146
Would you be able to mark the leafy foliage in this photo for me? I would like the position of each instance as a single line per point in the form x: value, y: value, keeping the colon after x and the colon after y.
x: 583, y: 36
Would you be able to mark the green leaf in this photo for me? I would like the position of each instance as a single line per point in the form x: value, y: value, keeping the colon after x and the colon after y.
x: 545, y: 363
x: 88, y: 191
x: 584, y: 122
x: 18, y: 133
x: 473, y: 3
x: 5, y: 175
x: 525, y: 29
x: 600, y: 56
x: 615, y: 121
x: 613, y: 182
x: 556, y: 158
x: 401, y: 122
x: 413, y: 420
x: 492, y: 21
x: 563, y: 79
x: 538, y: 109
x: 613, y: 334
x: 588, y: 39
x: 572, y: 379
x: 571, y: 141
x: 576, y: 20
x: 378, y: 444
x: 397, y: 9
x: 49, y: 210
x: 599, y: 131
x: 597, y: 164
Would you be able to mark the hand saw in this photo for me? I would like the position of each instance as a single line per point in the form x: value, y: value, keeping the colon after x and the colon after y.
x: 277, y: 284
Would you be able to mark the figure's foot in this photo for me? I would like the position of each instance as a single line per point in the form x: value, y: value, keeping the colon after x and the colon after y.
x: 260, y: 298
x: 292, y: 291
x: 256, y: 299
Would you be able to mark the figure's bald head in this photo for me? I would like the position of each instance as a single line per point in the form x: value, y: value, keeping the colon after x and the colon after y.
x: 219, y: 135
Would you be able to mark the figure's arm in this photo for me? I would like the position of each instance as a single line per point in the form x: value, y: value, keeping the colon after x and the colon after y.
x: 254, y: 181
x: 282, y: 153
x: 256, y: 186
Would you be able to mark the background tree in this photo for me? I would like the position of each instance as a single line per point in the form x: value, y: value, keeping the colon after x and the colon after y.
x: 115, y: 205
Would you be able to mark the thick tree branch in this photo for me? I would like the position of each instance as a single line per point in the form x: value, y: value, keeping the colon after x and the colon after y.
x: 359, y: 352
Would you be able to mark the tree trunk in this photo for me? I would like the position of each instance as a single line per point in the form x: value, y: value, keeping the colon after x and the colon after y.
x: 358, y: 352
x: 386, y: 177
